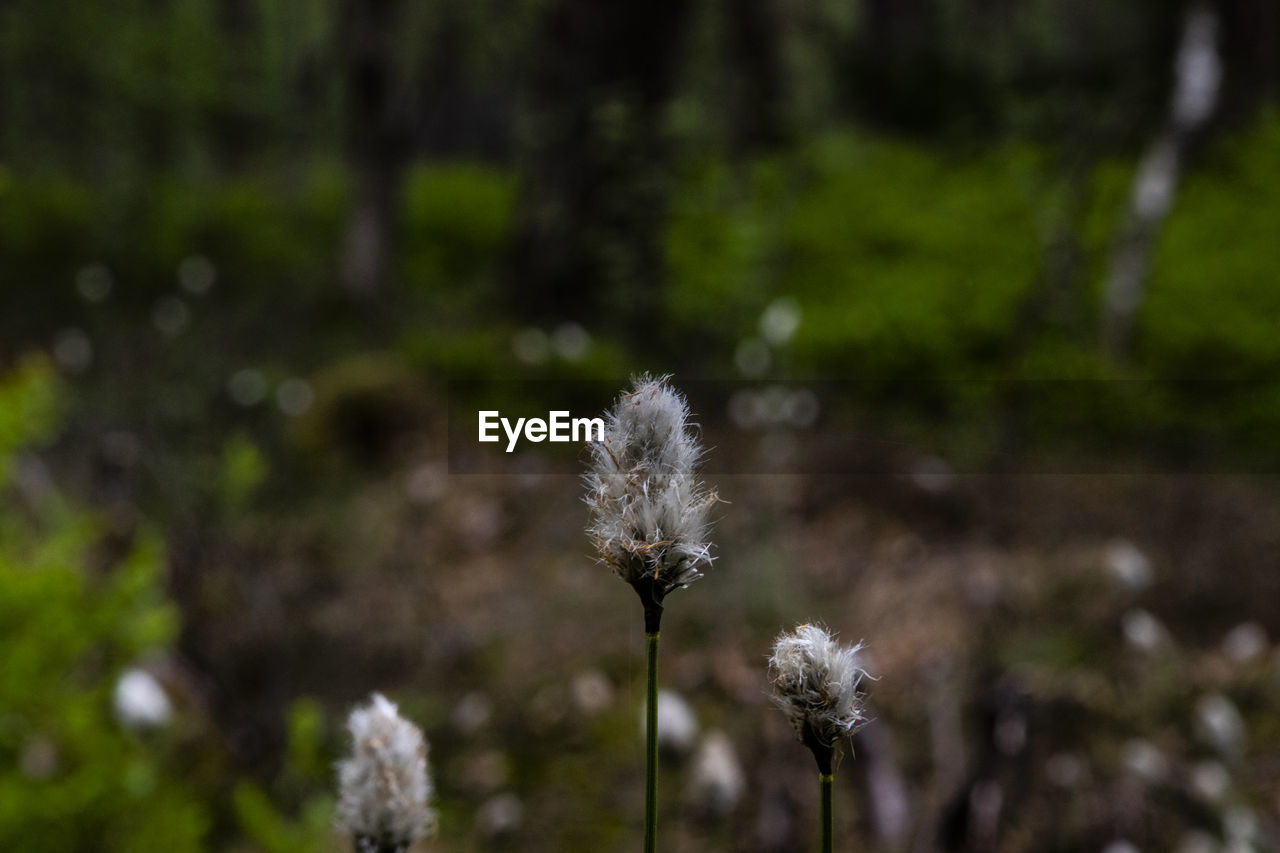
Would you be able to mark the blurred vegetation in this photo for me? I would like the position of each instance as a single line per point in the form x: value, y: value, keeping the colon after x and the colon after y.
x: 246, y: 245
x: 77, y: 609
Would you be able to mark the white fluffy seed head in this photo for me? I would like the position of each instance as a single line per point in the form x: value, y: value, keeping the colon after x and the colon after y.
x: 383, y: 787
x: 818, y: 684
x: 140, y: 701
x: 648, y: 511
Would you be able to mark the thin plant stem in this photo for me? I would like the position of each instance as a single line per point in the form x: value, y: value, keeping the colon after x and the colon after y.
x: 651, y: 746
x: 825, y: 814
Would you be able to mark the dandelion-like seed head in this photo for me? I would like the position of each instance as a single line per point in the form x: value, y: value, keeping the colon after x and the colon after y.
x: 818, y: 684
x: 648, y: 510
x: 384, y: 788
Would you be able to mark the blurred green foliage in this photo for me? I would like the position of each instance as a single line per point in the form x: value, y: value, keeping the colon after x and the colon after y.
x: 457, y: 221
x: 911, y: 263
x: 908, y: 261
x: 1213, y: 299
x: 914, y: 267
x: 296, y: 814
x: 31, y: 412
x: 70, y: 622
x: 243, y: 470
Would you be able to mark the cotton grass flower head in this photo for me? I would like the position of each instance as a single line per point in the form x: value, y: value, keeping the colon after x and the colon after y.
x: 648, y: 510
x: 818, y: 684
x: 649, y: 523
x: 140, y: 701
x: 384, y: 788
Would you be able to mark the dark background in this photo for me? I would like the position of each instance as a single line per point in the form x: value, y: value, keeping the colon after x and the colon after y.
x: 254, y: 254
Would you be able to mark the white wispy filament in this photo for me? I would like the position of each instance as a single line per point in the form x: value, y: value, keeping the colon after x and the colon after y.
x: 648, y: 511
x: 384, y: 788
x: 818, y: 684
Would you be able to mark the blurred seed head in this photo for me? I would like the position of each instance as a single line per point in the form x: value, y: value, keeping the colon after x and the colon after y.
x: 779, y: 322
x: 1145, y: 760
x: 592, y: 692
x: 932, y: 474
x: 140, y: 702
x: 1127, y: 564
x: 648, y: 512
x: 1120, y: 846
x: 1144, y: 631
x: 818, y: 684
x: 1219, y: 724
x: 717, y: 781
x: 383, y: 787
x: 1245, y: 642
x: 427, y: 483
x: 677, y: 723
x: 500, y: 816
x: 774, y: 406
x: 570, y: 341
x: 1241, y: 826
x: 1210, y: 781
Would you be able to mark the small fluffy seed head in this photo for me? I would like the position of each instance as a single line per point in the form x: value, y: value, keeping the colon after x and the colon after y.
x: 818, y: 684
x: 648, y: 511
x: 383, y: 786
x: 140, y: 701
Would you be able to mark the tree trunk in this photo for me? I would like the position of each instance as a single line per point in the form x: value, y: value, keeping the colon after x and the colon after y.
x: 377, y: 136
x: 596, y: 189
x: 1198, y: 71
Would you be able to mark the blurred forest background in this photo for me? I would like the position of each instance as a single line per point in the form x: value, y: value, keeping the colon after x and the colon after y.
x: 245, y: 245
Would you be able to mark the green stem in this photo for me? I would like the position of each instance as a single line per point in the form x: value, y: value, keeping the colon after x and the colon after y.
x: 825, y: 816
x: 651, y: 747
